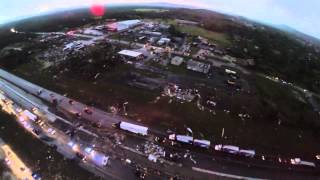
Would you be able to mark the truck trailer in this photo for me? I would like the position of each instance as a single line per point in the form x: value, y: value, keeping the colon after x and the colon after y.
x: 137, y: 129
x: 30, y: 115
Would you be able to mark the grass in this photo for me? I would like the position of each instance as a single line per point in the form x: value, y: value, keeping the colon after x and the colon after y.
x: 150, y: 10
x: 213, y: 37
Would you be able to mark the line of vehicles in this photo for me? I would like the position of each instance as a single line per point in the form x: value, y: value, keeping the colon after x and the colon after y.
x: 31, y: 122
x: 144, y: 131
x: 230, y: 149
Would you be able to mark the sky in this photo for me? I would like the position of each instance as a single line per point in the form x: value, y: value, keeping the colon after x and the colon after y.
x: 303, y: 15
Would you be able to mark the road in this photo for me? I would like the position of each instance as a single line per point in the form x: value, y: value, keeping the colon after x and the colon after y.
x: 15, y: 164
x: 59, y: 138
x: 107, y: 119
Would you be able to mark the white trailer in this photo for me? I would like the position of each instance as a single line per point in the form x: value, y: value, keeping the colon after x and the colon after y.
x: 184, y: 139
x: 247, y: 153
x: 231, y: 149
x: 298, y: 161
x: 134, y: 128
x: 227, y: 148
x: 228, y: 71
x: 30, y: 115
x: 202, y: 143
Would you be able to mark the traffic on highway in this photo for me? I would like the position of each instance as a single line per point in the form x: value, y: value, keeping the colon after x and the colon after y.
x: 125, y: 145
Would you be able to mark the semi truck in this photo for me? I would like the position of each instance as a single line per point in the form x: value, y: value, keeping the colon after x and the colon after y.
x: 137, y: 129
x: 30, y: 115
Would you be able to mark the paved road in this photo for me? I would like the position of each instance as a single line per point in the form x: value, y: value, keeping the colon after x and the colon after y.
x: 15, y: 164
x: 60, y: 139
x: 106, y: 118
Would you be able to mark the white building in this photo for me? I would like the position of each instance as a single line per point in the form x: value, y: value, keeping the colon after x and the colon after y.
x: 123, y: 25
x: 129, y: 53
x: 177, y: 61
x: 92, y: 32
x: 163, y: 41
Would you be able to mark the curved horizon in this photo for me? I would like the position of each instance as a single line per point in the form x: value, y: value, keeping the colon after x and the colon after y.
x: 294, y: 14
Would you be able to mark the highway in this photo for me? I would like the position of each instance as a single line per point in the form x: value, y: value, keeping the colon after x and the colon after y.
x: 108, y: 119
x: 15, y: 164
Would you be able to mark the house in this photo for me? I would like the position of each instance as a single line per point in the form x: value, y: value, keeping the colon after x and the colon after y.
x: 198, y: 66
x: 177, y: 61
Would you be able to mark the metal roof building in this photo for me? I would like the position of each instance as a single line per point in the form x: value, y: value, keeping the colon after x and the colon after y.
x: 130, y: 53
x: 123, y: 25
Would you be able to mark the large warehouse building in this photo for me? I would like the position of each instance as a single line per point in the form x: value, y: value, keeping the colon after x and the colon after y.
x: 123, y: 25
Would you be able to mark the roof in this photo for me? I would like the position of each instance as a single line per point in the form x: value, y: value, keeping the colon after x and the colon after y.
x: 130, y: 22
x: 177, y: 60
x: 130, y: 53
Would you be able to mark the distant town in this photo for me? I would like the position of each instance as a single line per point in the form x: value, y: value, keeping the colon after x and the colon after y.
x: 147, y: 99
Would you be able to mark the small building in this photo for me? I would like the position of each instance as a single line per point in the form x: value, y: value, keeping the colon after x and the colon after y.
x: 131, y: 54
x: 181, y: 21
x: 92, y: 32
x: 151, y: 33
x: 163, y: 41
x: 198, y: 66
x: 177, y: 60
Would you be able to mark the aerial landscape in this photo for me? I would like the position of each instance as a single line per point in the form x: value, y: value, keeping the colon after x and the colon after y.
x: 157, y: 92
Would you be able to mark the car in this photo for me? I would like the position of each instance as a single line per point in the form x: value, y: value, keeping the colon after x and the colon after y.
x: 51, y: 131
x: 39, y: 91
x: 8, y: 162
x: 41, y: 123
x: 34, y: 109
x: 78, y: 114
x: 71, y: 102
x: 87, y: 110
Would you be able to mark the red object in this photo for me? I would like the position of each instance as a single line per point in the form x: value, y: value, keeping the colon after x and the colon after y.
x: 97, y: 10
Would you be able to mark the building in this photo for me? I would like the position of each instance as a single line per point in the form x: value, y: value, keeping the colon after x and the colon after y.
x: 163, y: 41
x: 180, y: 21
x: 151, y: 33
x: 131, y: 54
x: 123, y: 25
x: 198, y: 66
x: 177, y: 61
x: 92, y: 32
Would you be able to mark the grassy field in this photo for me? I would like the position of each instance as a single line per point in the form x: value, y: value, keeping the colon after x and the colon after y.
x: 151, y: 10
x: 214, y: 37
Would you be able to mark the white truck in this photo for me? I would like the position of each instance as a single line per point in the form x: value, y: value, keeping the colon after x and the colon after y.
x: 228, y: 71
x: 202, y: 143
x: 247, y: 153
x: 227, y: 148
x: 298, y: 161
x: 30, y: 115
x: 134, y: 128
x: 184, y: 139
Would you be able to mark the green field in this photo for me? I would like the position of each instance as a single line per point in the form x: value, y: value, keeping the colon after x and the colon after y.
x: 150, y: 10
x: 214, y: 37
